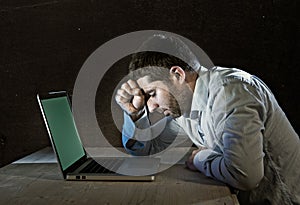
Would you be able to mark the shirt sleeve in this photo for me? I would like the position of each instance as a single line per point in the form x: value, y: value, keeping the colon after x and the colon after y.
x: 149, y: 139
x: 238, y: 114
x: 128, y: 131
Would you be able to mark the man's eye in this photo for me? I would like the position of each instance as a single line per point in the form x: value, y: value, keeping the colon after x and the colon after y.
x: 151, y: 94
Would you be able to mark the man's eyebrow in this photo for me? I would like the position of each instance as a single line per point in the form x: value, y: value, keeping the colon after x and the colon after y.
x: 149, y: 91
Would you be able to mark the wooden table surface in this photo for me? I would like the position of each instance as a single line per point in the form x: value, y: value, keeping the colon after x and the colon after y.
x: 42, y: 183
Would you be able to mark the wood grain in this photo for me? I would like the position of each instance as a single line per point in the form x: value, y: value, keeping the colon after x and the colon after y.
x: 43, y: 184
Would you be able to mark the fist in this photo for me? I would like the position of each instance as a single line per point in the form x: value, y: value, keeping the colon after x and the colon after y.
x: 190, y: 162
x: 130, y: 97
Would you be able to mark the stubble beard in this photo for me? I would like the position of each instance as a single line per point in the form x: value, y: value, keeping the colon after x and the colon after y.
x: 181, y: 103
x: 174, y: 107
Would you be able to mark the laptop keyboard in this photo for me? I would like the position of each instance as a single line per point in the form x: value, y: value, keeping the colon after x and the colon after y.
x: 95, y: 167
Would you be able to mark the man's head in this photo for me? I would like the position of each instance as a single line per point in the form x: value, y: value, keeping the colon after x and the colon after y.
x: 167, y: 90
x: 167, y: 80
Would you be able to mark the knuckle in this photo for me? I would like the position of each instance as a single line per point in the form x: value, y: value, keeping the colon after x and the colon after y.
x: 132, y: 83
x: 124, y: 86
x: 120, y: 91
x: 118, y: 99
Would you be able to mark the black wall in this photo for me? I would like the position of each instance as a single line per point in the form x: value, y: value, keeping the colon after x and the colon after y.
x: 44, y: 43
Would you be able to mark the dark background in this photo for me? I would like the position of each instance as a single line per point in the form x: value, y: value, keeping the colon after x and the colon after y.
x: 44, y: 43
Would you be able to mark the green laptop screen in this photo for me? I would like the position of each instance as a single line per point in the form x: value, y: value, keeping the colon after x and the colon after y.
x: 63, y: 130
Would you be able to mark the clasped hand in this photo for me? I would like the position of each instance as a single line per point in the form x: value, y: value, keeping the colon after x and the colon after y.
x: 131, y: 99
x: 190, y: 162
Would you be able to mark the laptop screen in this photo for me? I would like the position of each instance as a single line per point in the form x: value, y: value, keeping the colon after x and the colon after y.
x: 63, y: 130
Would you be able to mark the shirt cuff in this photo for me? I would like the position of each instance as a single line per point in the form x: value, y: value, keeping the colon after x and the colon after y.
x: 129, y: 127
x: 143, y: 122
x: 203, y: 158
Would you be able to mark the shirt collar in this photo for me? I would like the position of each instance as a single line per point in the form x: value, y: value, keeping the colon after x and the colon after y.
x: 200, y: 96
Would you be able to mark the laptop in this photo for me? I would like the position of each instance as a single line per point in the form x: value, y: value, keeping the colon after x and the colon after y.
x: 71, y: 155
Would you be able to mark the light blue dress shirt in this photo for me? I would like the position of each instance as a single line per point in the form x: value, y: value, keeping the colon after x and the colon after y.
x: 251, y: 145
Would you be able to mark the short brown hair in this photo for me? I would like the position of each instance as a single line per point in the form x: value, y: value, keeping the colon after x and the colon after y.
x: 164, y: 50
x: 158, y: 59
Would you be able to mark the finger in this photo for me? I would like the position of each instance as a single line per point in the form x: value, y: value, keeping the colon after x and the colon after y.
x: 137, y: 92
x: 126, y: 87
x: 195, y: 152
x: 131, y: 90
x: 127, y: 107
x: 124, y: 94
x: 133, y: 84
x: 191, y: 159
x: 119, y: 99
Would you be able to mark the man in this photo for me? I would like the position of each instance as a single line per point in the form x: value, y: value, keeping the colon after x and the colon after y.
x: 243, y: 137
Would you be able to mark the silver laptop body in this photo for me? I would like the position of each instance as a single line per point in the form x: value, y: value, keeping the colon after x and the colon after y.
x: 71, y: 155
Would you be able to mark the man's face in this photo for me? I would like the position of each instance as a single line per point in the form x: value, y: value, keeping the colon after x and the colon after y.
x: 160, y: 96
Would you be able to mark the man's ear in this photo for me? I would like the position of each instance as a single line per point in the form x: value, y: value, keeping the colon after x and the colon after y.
x: 179, y: 73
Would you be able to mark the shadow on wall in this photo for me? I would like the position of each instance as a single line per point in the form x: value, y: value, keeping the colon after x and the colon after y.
x: 105, y: 102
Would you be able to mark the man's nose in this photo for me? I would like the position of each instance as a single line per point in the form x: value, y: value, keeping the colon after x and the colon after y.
x: 152, y: 105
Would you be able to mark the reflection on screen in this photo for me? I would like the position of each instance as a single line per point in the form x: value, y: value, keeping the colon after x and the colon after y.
x: 63, y: 130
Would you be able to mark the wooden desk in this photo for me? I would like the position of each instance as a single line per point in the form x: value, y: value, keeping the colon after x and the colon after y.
x: 41, y: 183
